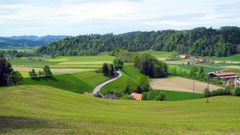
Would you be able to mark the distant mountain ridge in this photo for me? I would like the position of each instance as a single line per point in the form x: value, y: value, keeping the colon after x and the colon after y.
x: 31, y: 41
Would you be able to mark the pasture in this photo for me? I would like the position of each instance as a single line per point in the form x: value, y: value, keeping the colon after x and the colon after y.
x: 233, y: 58
x: 74, y: 82
x: 47, y: 110
x: 180, y: 84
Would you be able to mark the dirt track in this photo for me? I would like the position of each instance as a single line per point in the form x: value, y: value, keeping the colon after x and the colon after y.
x: 180, y: 84
x: 61, y: 70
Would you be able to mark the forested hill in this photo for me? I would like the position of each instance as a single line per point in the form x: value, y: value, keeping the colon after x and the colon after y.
x: 199, y: 41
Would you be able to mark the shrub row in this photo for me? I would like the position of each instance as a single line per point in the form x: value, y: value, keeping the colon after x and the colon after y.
x: 228, y: 91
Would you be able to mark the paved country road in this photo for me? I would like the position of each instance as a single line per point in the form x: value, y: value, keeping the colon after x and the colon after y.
x: 100, y: 86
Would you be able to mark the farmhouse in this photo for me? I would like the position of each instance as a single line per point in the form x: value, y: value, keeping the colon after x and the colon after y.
x: 136, y: 96
x: 182, y: 56
x: 229, y: 78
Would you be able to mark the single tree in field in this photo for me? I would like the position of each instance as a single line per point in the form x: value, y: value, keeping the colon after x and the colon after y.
x: 105, y: 69
x: 47, y: 71
x: 118, y: 64
x: 33, y: 74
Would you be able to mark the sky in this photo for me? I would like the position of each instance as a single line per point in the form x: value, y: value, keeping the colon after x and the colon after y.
x: 76, y: 17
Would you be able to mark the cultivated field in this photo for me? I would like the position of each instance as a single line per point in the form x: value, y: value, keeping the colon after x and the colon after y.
x: 232, y: 67
x: 54, y: 70
x: 180, y: 84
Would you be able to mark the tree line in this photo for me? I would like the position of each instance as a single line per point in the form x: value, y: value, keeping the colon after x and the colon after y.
x: 199, y: 41
x: 46, y: 72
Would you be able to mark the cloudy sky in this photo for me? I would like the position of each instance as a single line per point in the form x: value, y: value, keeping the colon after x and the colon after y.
x: 74, y: 17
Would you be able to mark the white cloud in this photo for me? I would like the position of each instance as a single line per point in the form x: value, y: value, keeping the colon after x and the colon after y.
x: 168, y: 22
x: 19, y: 17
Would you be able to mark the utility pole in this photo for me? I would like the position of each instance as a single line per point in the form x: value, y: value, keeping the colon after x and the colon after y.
x: 208, y: 90
x: 193, y: 85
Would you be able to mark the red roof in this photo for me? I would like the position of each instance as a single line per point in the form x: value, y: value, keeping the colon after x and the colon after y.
x: 136, y: 96
x: 221, y: 74
x: 234, y: 76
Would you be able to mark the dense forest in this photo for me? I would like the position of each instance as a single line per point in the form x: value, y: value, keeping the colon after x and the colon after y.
x: 199, y: 41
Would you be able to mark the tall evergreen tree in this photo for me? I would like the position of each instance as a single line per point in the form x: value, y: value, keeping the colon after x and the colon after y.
x: 105, y: 69
x: 7, y: 75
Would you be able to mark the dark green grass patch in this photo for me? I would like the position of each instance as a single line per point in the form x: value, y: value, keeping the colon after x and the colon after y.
x: 176, y: 96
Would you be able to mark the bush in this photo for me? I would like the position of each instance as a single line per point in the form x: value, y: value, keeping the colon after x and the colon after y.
x: 221, y: 92
x: 143, y: 85
x: 237, y: 92
x: 130, y: 88
x: 14, y: 78
x: 47, y: 71
x: 118, y: 64
x: 33, y: 74
x: 206, y: 93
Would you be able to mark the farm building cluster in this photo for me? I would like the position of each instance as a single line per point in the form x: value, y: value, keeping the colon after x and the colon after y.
x: 195, y: 60
x: 229, y: 78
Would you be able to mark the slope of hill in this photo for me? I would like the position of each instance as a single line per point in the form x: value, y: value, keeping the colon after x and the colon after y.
x: 27, y: 41
x: 46, y: 110
x: 199, y: 41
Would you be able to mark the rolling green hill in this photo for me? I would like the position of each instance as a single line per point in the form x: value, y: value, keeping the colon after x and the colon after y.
x: 46, y: 110
x: 131, y: 75
x: 76, y: 82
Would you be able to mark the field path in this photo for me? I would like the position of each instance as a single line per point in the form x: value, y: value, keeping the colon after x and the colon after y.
x: 100, y: 86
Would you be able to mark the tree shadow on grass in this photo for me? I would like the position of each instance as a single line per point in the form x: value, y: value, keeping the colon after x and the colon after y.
x: 11, y: 123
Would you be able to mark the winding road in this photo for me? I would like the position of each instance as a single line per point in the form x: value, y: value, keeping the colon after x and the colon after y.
x: 100, y: 86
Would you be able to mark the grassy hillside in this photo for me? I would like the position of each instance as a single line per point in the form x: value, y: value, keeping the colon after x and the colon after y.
x: 77, y: 82
x: 131, y: 75
x: 46, y: 110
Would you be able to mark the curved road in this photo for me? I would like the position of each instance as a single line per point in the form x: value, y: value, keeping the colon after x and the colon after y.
x: 100, y: 86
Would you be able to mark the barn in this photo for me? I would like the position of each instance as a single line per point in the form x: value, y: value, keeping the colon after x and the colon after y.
x: 229, y: 78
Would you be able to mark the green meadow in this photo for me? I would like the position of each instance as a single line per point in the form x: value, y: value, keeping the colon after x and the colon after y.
x: 76, y: 82
x: 229, y: 58
x: 38, y: 109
